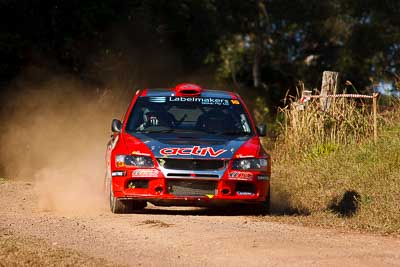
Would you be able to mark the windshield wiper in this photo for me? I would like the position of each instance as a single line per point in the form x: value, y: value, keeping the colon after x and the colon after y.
x: 229, y: 133
x: 235, y: 133
x: 157, y: 131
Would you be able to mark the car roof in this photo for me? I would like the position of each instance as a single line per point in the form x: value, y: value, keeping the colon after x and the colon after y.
x: 204, y: 93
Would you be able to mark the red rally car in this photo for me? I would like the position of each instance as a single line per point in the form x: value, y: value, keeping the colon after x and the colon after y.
x: 186, y: 146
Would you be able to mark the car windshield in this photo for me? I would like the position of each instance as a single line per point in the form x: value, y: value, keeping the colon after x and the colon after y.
x: 158, y: 114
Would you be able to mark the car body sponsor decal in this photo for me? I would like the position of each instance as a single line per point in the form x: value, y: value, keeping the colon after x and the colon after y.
x: 244, y: 193
x: 240, y: 175
x: 158, y: 99
x: 138, y: 153
x: 240, y: 156
x: 145, y: 173
x: 195, y: 151
x: 202, y: 100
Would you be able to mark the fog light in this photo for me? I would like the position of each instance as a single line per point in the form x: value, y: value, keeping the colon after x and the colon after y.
x: 158, y: 189
x: 118, y: 173
x: 263, y: 177
x: 226, y: 191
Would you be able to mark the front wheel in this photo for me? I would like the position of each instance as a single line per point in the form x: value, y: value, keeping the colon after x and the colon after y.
x: 125, y: 206
x: 265, y: 207
x: 116, y: 205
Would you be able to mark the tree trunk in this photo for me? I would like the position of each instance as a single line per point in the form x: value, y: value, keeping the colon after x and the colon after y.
x: 256, y: 65
x: 261, y: 30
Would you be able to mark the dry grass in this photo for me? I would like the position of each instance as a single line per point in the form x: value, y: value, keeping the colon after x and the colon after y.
x: 308, y: 127
x: 328, y: 169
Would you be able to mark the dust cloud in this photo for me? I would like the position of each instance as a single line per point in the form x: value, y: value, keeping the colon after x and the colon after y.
x: 283, y: 204
x: 54, y: 131
x: 55, y: 127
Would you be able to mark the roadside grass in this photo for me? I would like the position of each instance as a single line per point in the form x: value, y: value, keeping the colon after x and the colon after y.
x: 351, y: 183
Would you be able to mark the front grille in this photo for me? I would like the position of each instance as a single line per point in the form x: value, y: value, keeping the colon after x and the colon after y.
x: 192, y: 175
x: 191, y: 164
x: 192, y: 188
x: 243, y: 187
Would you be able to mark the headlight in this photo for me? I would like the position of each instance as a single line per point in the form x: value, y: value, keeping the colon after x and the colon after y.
x: 138, y: 161
x: 249, y: 164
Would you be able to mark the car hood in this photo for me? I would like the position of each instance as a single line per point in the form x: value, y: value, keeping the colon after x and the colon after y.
x: 190, y: 145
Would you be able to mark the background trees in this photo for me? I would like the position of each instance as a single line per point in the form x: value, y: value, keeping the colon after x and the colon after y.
x: 263, y: 46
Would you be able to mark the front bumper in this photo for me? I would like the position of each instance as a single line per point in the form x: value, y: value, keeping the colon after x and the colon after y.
x: 192, y: 191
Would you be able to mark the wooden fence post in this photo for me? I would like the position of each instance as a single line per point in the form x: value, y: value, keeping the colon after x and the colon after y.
x: 328, y: 87
x: 374, y: 111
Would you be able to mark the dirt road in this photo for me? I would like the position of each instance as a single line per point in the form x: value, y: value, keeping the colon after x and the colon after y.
x: 172, y: 237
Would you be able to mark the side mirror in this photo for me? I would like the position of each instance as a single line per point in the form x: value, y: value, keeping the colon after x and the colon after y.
x: 262, y: 129
x: 116, y: 126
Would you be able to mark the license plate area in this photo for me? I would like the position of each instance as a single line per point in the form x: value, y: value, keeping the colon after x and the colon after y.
x: 192, y: 188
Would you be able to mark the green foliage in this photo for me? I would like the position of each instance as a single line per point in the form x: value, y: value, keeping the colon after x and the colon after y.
x: 262, y: 113
x: 233, y: 54
x: 323, y: 150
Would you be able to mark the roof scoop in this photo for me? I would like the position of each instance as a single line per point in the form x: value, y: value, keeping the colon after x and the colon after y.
x: 187, y: 89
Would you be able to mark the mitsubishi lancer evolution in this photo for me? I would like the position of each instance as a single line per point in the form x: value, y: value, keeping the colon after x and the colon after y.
x: 186, y: 146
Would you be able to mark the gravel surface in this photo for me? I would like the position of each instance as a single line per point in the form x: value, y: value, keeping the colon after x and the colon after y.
x: 157, y: 236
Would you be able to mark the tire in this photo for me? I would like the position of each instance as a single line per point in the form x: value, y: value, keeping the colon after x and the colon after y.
x: 116, y: 205
x: 125, y: 206
x: 265, y: 207
x: 137, y: 205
